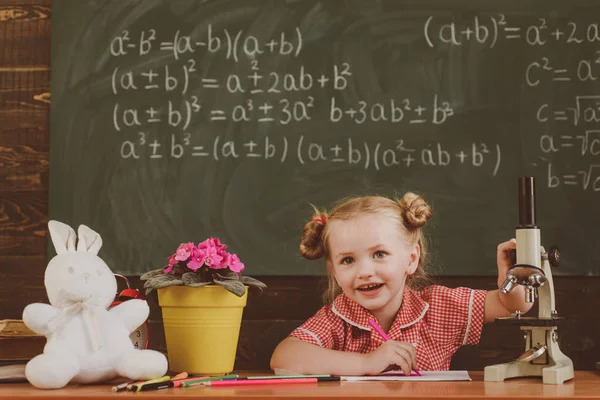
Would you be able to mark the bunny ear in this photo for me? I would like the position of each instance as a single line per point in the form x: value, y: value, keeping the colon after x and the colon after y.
x: 63, y: 237
x: 89, y: 240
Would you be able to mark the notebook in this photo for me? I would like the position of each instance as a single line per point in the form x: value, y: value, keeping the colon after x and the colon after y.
x: 425, y: 376
x: 399, y: 376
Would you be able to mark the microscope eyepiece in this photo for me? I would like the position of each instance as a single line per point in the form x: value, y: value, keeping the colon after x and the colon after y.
x: 526, y: 201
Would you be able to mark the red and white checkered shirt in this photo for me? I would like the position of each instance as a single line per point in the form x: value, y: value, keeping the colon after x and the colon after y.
x: 437, y: 319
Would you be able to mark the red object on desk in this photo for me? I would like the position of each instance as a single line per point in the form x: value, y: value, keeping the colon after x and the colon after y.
x: 140, y: 337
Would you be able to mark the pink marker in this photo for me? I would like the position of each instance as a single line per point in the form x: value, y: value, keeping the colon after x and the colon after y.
x: 384, y: 335
x: 275, y: 381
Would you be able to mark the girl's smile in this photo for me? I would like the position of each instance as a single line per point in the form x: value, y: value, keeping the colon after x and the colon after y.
x: 370, y: 289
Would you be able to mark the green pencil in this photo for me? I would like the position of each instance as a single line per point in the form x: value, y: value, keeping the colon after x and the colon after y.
x: 200, y: 381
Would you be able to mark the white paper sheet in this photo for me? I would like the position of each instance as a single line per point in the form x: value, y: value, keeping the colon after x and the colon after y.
x: 426, y: 376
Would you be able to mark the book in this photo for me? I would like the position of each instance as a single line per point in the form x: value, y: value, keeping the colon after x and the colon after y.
x: 15, y: 328
x: 13, y: 372
x: 18, y: 342
x: 21, y: 348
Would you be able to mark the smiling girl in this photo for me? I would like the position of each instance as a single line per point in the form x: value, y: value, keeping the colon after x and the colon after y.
x: 375, y: 254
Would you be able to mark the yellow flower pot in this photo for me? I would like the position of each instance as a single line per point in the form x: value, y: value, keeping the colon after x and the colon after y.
x: 202, y: 327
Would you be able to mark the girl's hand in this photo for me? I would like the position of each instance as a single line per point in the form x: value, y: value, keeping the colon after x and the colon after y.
x: 497, y: 304
x: 503, y: 259
x: 392, y: 352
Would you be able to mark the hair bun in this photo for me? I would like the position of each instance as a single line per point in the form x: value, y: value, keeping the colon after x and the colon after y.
x: 416, y: 211
x: 311, y: 246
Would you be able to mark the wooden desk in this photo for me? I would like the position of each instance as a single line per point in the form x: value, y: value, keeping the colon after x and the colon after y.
x: 585, y: 385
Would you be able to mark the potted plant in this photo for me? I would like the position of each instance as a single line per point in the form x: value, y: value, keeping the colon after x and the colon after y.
x: 202, y: 294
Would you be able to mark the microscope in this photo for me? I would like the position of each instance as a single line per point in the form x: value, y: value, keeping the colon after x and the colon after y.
x: 542, y: 356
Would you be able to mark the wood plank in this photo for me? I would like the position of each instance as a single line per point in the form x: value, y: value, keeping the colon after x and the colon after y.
x: 46, y: 3
x: 24, y: 11
x: 25, y: 35
x: 23, y: 215
x: 24, y: 101
x: 21, y: 283
x: 583, y: 386
x: 15, y: 79
x: 24, y: 169
x: 36, y: 137
x: 21, y: 119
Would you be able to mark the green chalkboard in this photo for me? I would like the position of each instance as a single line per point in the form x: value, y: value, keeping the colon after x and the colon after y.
x: 173, y: 121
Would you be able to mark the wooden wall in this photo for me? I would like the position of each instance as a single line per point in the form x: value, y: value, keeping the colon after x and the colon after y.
x: 268, y: 318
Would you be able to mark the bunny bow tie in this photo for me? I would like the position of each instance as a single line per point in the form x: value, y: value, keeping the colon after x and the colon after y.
x: 72, y: 305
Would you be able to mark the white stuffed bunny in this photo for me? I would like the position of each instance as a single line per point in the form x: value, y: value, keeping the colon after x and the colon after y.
x: 86, y: 342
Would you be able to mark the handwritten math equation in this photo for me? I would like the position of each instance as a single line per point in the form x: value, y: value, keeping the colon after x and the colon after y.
x: 488, y: 31
x: 231, y: 44
x: 583, y: 144
x: 282, y: 111
x: 299, y: 149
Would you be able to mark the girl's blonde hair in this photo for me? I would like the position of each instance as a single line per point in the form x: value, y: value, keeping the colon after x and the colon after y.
x: 410, y: 212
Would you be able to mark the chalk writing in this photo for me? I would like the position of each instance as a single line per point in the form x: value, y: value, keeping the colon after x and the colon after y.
x: 490, y: 30
x: 368, y: 155
x: 281, y: 98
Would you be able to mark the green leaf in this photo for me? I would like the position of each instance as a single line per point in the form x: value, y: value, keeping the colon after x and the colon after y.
x: 190, y: 278
x: 235, y: 287
x: 225, y: 275
x: 163, y: 280
x: 246, y: 280
x: 196, y: 284
x: 158, y: 282
x: 150, y: 274
x: 177, y: 282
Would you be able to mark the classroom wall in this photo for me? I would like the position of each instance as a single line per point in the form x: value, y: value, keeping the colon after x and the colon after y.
x: 25, y: 29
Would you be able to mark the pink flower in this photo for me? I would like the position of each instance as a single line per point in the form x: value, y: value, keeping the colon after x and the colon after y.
x: 210, y: 253
x: 184, y: 251
x: 172, y: 262
x: 197, y: 260
x: 212, y: 257
x: 235, y: 264
x: 212, y: 242
x: 208, y: 256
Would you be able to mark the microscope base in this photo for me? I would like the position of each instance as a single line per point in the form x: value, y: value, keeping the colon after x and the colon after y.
x: 553, y: 366
x: 551, y: 375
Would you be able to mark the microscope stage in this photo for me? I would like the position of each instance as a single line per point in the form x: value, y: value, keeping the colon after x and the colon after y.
x: 530, y: 321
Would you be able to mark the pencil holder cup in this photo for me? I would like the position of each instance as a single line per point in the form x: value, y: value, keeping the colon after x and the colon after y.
x: 202, y: 327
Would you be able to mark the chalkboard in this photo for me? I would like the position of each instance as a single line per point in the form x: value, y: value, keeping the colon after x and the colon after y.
x: 174, y: 121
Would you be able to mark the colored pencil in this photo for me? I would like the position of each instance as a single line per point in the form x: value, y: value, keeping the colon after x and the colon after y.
x: 200, y: 381
x: 135, y: 387
x: 286, y: 376
x: 166, y: 385
x: 123, y: 386
x: 138, y: 386
x: 384, y: 335
x: 248, y: 382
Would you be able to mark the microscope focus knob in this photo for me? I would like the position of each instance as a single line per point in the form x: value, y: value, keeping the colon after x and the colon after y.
x: 553, y: 256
